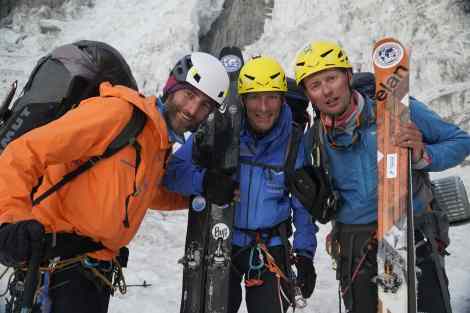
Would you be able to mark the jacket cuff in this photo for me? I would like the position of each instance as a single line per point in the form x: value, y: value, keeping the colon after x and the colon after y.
x: 304, y: 253
x: 425, y: 161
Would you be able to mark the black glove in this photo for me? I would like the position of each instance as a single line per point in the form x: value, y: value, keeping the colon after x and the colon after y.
x: 218, y: 187
x: 306, y: 275
x: 17, y: 241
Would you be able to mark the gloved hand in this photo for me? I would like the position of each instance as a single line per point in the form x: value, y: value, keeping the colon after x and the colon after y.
x: 17, y: 240
x: 218, y: 187
x: 306, y: 275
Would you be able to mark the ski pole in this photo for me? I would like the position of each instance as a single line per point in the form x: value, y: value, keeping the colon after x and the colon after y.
x: 6, y: 102
x: 144, y: 284
x: 31, y: 281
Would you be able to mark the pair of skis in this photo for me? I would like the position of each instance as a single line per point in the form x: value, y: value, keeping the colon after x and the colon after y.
x: 209, y: 233
x: 396, y: 277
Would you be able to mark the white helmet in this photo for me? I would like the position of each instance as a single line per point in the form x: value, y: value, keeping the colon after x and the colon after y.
x: 205, y: 72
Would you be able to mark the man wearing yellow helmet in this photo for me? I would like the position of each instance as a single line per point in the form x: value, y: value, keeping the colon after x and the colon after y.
x: 348, y: 134
x: 265, y: 211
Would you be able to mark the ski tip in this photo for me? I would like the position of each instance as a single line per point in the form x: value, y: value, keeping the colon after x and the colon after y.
x: 388, y: 53
x: 230, y: 50
x: 232, y: 60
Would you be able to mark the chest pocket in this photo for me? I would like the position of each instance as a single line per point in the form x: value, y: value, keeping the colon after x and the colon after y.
x: 274, y: 180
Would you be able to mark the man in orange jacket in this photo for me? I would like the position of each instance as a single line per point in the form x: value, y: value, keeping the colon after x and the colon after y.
x: 106, y: 204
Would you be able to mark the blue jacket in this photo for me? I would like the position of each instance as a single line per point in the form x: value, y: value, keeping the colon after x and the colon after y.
x: 354, y: 170
x: 264, y: 200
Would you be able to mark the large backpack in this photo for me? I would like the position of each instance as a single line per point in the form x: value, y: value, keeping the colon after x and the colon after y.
x: 59, y: 81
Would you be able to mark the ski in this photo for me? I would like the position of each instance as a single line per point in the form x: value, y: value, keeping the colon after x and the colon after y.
x: 209, y: 233
x: 193, y: 260
x: 396, y: 277
x: 227, y: 147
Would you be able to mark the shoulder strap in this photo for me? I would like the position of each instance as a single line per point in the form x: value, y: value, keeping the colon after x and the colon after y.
x: 291, y: 153
x: 320, y: 156
x: 294, y: 142
x: 276, y: 168
x: 127, y: 136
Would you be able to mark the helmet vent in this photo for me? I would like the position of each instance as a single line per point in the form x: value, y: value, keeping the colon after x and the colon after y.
x: 300, y: 64
x: 197, y: 77
x: 340, y: 54
x: 324, y: 54
x: 275, y: 75
x: 250, y: 77
x: 189, y: 63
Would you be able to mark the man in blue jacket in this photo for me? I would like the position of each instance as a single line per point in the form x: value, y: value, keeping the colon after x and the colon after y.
x: 265, y: 210
x: 349, y: 135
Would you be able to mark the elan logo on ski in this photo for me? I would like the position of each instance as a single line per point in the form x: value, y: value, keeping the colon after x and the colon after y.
x: 388, y: 56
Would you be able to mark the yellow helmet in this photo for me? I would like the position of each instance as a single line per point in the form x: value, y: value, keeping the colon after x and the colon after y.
x: 262, y: 73
x: 319, y: 56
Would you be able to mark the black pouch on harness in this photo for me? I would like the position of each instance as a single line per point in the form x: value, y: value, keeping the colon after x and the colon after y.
x: 310, y: 186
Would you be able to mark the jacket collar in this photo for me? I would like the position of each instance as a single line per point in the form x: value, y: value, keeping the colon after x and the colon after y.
x: 145, y: 104
x: 281, y: 128
x: 173, y: 137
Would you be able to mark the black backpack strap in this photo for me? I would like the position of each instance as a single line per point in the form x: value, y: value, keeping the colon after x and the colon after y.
x: 276, y: 168
x: 293, y: 149
x: 135, y: 191
x: 127, y: 136
x: 318, y: 153
x: 291, y: 153
x: 67, y: 245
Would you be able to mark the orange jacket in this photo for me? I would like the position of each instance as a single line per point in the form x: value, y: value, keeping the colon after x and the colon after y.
x: 93, y: 204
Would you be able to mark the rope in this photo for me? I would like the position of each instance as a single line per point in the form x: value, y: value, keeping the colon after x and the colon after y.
x: 368, y: 247
x: 279, y: 291
x: 119, y: 282
x: 255, y: 266
x: 271, y: 263
x: 285, y: 296
x: 354, y: 275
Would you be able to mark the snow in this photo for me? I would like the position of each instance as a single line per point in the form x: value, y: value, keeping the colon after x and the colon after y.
x: 152, y: 34
x: 436, y: 30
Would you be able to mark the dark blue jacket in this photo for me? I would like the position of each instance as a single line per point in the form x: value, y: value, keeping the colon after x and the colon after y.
x: 264, y: 200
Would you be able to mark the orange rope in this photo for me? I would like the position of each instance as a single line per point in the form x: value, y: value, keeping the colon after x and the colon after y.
x: 271, y: 263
